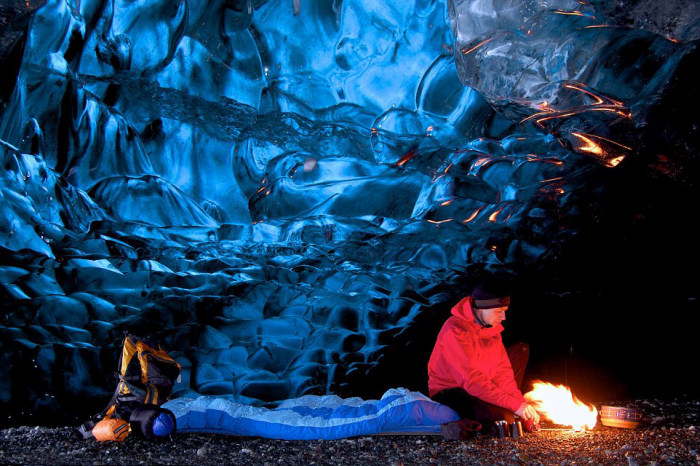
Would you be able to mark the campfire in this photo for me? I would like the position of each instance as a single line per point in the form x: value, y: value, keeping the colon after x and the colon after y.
x: 556, y: 403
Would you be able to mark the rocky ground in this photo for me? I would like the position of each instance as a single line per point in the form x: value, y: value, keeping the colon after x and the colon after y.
x: 668, y: 435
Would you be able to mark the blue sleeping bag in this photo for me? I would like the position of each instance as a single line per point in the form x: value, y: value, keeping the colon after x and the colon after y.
x: 313, y: 417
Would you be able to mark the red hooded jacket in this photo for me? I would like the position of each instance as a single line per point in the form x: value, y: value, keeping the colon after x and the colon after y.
x: 472, y: 357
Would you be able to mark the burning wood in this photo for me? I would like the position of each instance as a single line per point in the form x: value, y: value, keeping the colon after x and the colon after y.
x: 557, y: 404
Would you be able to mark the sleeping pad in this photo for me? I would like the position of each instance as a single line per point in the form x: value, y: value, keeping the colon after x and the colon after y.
x: 312, y: 417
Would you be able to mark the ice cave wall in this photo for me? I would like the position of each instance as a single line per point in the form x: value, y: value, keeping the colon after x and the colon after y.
x: 288, y: 194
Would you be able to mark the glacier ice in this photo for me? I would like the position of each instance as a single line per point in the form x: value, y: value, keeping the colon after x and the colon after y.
x: 287, y: 193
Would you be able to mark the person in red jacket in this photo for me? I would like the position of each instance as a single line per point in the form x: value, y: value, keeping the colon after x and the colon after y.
x: 470, y: 370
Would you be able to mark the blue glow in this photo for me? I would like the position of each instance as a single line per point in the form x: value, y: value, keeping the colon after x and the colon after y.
x: 282, y: 196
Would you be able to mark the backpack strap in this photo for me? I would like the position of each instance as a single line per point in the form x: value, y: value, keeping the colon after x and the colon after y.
x: 151, y: 395
x: 86, y: 427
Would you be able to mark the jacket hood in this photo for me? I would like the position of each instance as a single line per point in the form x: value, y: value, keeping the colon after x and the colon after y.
x: 463, y: 310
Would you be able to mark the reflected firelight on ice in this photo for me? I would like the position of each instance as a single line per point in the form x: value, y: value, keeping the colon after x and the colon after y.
x: 556, y: 403
x: 284, y: 197
x: 588, y: 145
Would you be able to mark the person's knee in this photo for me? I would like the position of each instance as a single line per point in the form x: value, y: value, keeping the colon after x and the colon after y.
x: 522, y: 347
x: 519, y: 351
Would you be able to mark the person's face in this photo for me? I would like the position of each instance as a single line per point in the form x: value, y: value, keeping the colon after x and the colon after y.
x: 493, y: 316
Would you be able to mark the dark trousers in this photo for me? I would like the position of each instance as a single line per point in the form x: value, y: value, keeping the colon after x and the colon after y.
x: 471, y: 407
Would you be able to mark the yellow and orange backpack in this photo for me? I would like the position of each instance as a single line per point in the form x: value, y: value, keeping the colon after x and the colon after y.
x: 146, y: 376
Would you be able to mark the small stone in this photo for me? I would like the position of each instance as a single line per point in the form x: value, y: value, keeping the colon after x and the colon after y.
x: 246, y: 451
x: 201, y: 451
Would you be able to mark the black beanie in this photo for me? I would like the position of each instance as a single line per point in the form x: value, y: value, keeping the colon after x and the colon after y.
x: 488, y: 295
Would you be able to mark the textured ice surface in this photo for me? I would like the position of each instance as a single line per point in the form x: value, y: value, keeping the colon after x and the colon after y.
x: 289, y: 194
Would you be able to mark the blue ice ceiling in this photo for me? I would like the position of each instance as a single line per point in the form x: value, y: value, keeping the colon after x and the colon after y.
x: 286, y: 192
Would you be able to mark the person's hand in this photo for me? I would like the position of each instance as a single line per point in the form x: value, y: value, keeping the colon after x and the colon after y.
x: 526, y: 411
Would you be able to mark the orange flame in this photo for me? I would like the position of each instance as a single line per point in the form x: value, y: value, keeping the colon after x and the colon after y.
x: 559, y: 405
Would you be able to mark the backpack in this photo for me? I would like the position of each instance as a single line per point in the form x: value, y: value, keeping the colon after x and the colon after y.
x: 146, y: 375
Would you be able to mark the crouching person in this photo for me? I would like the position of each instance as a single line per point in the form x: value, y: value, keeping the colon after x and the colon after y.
x: 471, y: 371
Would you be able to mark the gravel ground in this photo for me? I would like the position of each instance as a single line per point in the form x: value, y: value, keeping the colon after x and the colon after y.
x: 668, y: 435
